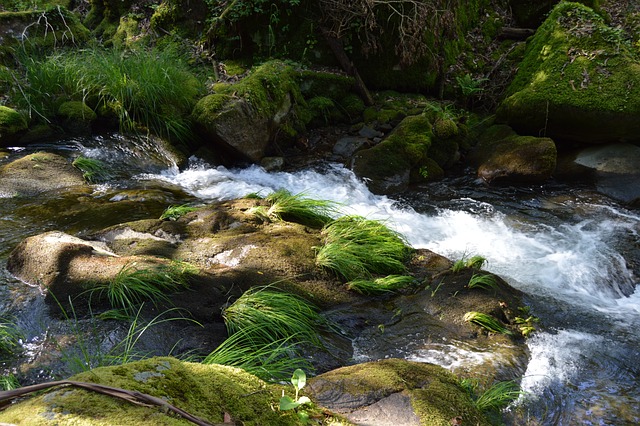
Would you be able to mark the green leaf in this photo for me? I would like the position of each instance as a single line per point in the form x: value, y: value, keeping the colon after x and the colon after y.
x: 299, y: 379
x: 304, y: 417
x: 287, y: 403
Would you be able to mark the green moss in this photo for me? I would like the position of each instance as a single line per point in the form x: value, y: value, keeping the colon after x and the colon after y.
x: 206, y: 391
x: 127, y: 32
x: 435, y: 393
x: 76, y: 110
x: 11, y: 121
x: 207, y: 107
x: 579, y: 80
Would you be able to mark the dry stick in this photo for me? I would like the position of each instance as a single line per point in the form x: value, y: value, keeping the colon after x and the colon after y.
x: 134, y: 397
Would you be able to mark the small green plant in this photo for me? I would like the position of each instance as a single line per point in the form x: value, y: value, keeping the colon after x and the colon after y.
x: 473, y: 262
x: 176, y: 212
x: 134, y: 285
x: 298, y: 380
x: 355, y: 248
x: 386, y: 284
x: 10, y: 336
x: 487, y: 322
x: 526, y: 321
x: 282, y: 205
x: 470, y: 86
x: 93, y: 170
x: 498, y: 396
x: 9, y: 382
x: 483, y: 281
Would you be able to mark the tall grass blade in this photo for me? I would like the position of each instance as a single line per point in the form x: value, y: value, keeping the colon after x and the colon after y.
x: 498, y: 396
x: 386, y: 284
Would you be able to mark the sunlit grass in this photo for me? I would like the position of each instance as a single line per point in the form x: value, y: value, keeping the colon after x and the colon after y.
x: 498, y: 396
x: 473, y: 262
x: 93, y: 171
x: 176, y: 212
x: 487, y: 322
x: 134, y: 285
x: 296, y: 208
x: 355, y: 248
x: 10, y: 336
x: 483, y: 281
x: 386, y: 284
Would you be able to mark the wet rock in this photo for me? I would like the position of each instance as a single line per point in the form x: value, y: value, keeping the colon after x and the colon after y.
x: 272, y: 164
x: 502, y: 156
x: 370, y: 133
x: 615, y: 169
x: 347, y: 146
x: 395, y: 392
x: 12, y: 126
x: 76, y: 117
x: 39, y: 173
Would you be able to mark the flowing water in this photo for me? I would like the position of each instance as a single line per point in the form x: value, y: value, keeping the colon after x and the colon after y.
x: 575, y: 254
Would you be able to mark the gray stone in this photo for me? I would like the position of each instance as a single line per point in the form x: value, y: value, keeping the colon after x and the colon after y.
x: 348, y: 146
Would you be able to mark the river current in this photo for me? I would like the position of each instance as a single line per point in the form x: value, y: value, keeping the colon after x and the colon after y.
x: 574, y: 253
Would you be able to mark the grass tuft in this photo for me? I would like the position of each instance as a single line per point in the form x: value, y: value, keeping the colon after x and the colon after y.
x: 487, y: 322
x: 483, y: 281
x: 133, y: 286
x: 10, y: 336
x: 386, y: 284
x: 93, y: 171
x: 356, y: 248
x: 473, y: 262
x: 176, y: 212
x: 498, y: 396
x: 296, y: 208
x: 9, y: 382
x: 274, y: 315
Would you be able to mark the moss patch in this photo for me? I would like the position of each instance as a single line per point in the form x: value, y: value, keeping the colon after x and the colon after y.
x: 11, y: 124
x: 579, y: 81
x: 206, y: 391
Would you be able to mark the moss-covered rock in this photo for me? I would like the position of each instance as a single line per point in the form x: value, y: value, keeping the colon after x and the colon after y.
x: 244, y: 118
x: 76, y: 117
x: 210, y: 392
x: 395, y: 391
x: 39, y: 173
x: 579, y: 81
x: 502, y: 156
x: 12, y: 125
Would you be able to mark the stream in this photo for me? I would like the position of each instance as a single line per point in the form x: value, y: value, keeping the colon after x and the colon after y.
x: 574, y: 253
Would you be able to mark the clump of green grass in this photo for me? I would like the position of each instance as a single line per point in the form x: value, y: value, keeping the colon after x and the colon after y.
x: 134, y: 285
x: 93, y: 170
x: 176, y: 212
x: 498, y: 396
x: 274, y: 315
x: 9, y: 382
x: 483, y: 281
x: 386, y: 284
x: 473, y: 262
x: 356, y: 248
x: 487, y: 322
x: 272, y: 361
x: 10, y: 336
x: 152, y: 88
x: 296, y: 208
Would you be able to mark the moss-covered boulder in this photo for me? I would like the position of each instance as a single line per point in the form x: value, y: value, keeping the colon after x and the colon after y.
x: 213, y: 393
x: 244, y: 118
x: 76, y: 117
x: 39, y: 31
x: 579, y: 81
x: 502, y: 156
x: 12, y: 125
x: 410, y: 153
x: 395, y: 391
x: 39, y: 173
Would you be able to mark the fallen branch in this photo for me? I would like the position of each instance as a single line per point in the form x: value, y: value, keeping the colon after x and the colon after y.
x: 133, y: 397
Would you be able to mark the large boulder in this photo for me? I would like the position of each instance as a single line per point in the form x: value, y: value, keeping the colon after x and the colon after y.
x: 213, y: 393
x: 502, y: 156
x: 39, y: 173
x: 243, y: 119
x: 395, y: 392
x: 579, y: 81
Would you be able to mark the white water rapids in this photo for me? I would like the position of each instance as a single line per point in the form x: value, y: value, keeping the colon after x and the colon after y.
x: 584, y: 368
